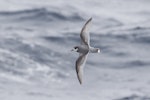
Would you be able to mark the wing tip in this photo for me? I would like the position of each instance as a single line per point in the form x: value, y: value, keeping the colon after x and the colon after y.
x: 80, y: 81
x: 90, y: 19
x: 79, y: 78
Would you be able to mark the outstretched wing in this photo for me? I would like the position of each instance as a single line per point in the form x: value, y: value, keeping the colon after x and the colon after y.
x: 85, y: 36
x: 80, y: 65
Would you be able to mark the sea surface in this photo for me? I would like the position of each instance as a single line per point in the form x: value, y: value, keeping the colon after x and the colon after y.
x: 36, y: 38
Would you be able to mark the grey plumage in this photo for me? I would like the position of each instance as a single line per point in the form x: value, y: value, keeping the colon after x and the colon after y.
x: 84, y: 49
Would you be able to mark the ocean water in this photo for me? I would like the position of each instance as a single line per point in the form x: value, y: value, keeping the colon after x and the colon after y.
x: 36, y: 37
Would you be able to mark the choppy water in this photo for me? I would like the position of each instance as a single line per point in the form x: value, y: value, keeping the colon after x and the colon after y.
x: 35, y: 42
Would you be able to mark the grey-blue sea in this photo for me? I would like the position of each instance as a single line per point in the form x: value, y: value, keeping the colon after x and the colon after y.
x: 36, y: 37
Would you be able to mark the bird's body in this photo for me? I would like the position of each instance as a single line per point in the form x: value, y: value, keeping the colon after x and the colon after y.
x: 84, y: 49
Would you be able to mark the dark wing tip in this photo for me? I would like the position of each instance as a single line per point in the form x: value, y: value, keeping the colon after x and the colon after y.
x: 90, y: 19
x: 80, y: 82
x: 79, y: 74
x: 80, y: 79
x: 87, y: 22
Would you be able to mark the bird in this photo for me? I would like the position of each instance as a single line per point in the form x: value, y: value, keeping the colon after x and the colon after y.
x: 84, y: 49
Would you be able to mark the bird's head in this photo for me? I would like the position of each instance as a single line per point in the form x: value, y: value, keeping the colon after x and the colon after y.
x: 76, y: 49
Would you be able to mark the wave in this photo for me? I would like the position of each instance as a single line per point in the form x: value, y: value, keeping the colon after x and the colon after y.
x: 135, y: 97
x: 40, y: 14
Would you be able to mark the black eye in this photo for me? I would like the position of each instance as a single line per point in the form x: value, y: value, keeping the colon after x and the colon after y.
x: 75, y: 47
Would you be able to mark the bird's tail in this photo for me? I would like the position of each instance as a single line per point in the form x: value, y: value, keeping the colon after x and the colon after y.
x: 94, y: 50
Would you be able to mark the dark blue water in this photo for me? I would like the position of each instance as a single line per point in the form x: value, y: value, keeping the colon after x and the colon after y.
x: 35, y: 42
